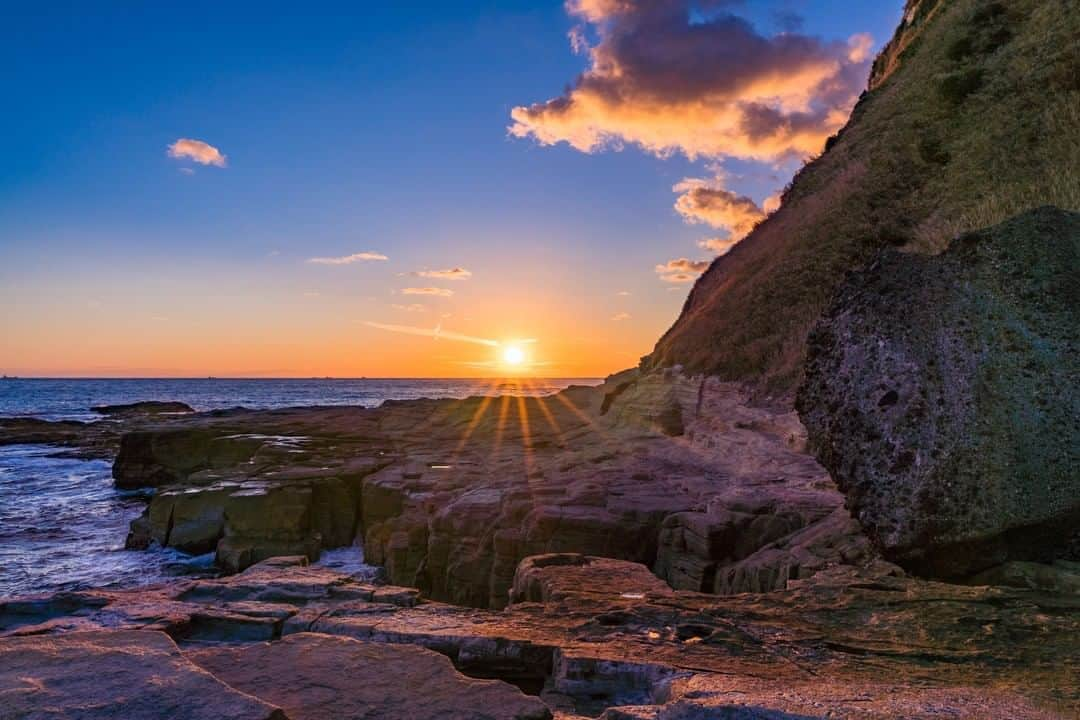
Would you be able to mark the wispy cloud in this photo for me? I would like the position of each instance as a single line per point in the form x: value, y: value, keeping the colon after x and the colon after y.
x: 412, y: 308
x: 456, y: 273
x: 348, y: 259
x: 437, y: 292
x: 623, y: 293
x: 436, y: 332
x: 678, y: 278
x: 621, y: 316
x: 197, y: 151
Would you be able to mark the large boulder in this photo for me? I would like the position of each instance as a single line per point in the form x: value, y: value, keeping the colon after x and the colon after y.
x: 943, y: 395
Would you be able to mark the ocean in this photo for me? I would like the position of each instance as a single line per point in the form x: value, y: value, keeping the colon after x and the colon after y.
x: 63, y: 524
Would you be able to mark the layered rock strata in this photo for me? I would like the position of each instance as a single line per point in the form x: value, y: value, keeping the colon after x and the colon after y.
x: 683, y: 475
x: 845, y: 644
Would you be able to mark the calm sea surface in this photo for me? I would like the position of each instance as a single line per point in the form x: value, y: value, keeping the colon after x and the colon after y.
x: 63, y: 524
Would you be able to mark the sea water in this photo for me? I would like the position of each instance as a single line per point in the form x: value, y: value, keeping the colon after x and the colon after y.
x: 63, y: 524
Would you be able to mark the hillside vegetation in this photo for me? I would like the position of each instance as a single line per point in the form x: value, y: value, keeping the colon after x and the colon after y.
x: 972, y: 115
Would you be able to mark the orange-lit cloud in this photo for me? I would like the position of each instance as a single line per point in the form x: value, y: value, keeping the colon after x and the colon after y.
x: 708, y: 202
x: 438, y: 292
x: 412, y: 308
x: 682, y: 270
x: 718, y: 245
x: 678, y: 278
x: 621, y: 316
x: 348, y: 259
x: 705, y: 85
x: 456, y: 273
x: 683, y: 265
x: 196, y: 150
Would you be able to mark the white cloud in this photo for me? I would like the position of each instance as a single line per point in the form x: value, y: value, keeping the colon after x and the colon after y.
x: 438, y: 292
x: 455, y: 273
x: 348, y: 259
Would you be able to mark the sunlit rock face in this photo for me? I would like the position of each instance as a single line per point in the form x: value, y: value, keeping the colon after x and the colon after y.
x: 943, y: 394
x: 682, y: 474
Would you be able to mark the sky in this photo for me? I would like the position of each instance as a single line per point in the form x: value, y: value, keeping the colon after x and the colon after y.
x: 394, y: 189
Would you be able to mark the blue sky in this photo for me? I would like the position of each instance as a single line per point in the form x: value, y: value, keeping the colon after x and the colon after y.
x: 347, y: 128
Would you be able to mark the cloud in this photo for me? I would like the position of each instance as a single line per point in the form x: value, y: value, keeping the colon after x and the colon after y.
x: 438, y: 333
x: 683, y: 265
x: 678, y: 278
x: 623, y: 293
x: 708, y: 202
x: 412, y: 308
x: 348, y: 259
x: 187, y: 171
x: 684, y: 76
x: 456, y: 273
x: 682, y: 270
x: 718, y: 245
x: 620, y: 316
x: 440, y: 292
x: 196, y: 150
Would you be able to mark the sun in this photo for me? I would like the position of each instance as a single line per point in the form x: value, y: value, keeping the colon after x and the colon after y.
x: 513, y: 355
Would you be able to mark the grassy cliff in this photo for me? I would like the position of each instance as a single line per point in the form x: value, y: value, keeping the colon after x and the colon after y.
x: 972, y: 115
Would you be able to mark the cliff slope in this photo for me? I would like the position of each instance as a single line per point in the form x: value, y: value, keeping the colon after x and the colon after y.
x: 972, y: 115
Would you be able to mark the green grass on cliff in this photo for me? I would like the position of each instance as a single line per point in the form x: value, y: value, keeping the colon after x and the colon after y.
x: 973, y: 116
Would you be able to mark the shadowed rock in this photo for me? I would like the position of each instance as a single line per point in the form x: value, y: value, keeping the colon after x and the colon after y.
x: 145, y: 407
x: 943, y: 395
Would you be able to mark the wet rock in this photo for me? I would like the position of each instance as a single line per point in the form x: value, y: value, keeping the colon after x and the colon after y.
x: 145, y: 407
x: 320, y: 676
x: 137, y: 675
x: 943, y: 395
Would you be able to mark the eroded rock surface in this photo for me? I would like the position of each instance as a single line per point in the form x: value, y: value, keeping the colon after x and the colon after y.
x: 136, y: 675
x: 316, y: 677
x: 943, y: 394
x: 684, y: 475
x: 846, y: 643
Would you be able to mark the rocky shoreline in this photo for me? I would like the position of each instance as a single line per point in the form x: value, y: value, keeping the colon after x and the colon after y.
x: 656, y: 547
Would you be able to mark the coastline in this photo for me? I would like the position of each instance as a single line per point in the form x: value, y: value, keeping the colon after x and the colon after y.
x: 524, y: 543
